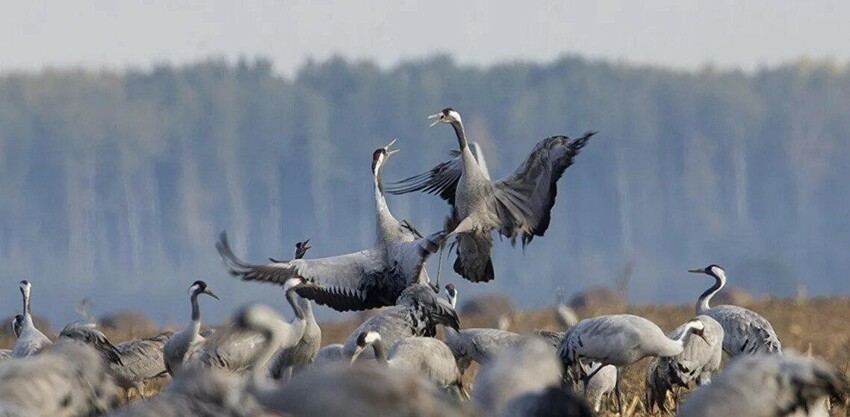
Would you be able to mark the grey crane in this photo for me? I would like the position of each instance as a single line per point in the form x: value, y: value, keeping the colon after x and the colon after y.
x: 141, y: 361
x: 354, y: 390
x: 199, y: 392
x: 426, y: 355
x: 603, y: 382
x: 87, y: 333
x: 17, y: 321
x: 371, y: 278
x: 68, y: 379
x: 745, y: 331
x: 476, y: 344
x: 564, y: 314
x: 238, y: 350
x: 417, y: 312
x: 765, y: 385
x: 620, y: 340
x: 698, y: 360
x: 184, y: 344
x: 30, y: 340
x: 293, y: 358
x: 526, y: 368
x: 333, y: 353
x: 517, y: 206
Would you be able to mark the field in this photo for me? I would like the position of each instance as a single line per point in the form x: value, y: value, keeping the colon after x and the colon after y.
x: 818, y: 326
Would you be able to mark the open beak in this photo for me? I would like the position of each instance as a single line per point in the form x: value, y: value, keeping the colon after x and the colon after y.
x: 696, y: 271
x: 306, y: 244
x: 211, y: 294
x: 438, y: 116
x: 387, y: 148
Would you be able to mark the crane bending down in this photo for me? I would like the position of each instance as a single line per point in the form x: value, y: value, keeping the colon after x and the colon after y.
x: 518, y: 206
x: 371, y: 278
x: 699, y: 359
x: 621, y: 340
x: 745, y: 331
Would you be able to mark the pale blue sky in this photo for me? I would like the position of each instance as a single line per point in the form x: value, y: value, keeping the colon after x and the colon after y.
x: 685, y: 34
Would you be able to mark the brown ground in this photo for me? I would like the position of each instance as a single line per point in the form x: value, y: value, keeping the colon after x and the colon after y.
x: 818, y: 325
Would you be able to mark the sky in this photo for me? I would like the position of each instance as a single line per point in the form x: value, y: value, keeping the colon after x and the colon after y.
x: 118, y: 34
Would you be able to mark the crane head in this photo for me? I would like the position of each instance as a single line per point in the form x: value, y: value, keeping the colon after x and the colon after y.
x: 25, y: 287
x: 448, y: 115
x: 697, y: 327
x: 200, y: 287
x: 381, y: 155
x: 301, y: 248
x: 17, y: 324
x: 713, y: 270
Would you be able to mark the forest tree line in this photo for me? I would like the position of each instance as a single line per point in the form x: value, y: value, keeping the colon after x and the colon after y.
x: 115, y: 185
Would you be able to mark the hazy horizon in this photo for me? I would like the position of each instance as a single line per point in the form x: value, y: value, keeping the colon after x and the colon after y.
x: 101, y: 35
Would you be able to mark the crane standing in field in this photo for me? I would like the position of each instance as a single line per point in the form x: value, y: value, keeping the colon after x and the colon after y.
x: 620, y: 340
x: 30, y: 340
x: 518, y: 206
x: 745, y: 331
x: 182, y: 345
x: 371, y: 278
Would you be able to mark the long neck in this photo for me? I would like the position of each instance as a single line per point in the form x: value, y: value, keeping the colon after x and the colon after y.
x: 684, y: 336
x: 705, y: 298
x: 259, y: 382
x: 296, y: 307
x: 307, y: 306
x: 380, y: 352
x: 196, y: 311
x: 461, y: 136
x: 27, y: 309
x: 385, y: 223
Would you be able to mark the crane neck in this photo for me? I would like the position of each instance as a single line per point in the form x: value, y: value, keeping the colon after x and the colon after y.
x: 386, y: 224
x: 703, y: 303
x: 293, y: 302
x: 196, y: 310
x: 259, y: 383
x: 683, y: 338
x: 26, y: 300
x: 461, y: 135
x: 380, y: 351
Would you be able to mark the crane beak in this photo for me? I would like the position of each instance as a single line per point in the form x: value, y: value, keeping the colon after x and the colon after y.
x: 438, y: 116
x: 355, y: 355
x: 211, y: 294
x: 696, y: 271
x: 387, y: 148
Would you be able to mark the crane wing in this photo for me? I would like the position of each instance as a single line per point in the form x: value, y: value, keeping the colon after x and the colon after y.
x: 440, y: 180
x: 356, y: 281
x: 524, y: 200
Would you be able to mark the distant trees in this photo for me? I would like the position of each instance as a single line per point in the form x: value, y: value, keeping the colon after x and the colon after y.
x: 119, y: 182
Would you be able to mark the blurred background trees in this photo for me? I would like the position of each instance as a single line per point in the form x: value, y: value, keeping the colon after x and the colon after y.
x: 114, y: 186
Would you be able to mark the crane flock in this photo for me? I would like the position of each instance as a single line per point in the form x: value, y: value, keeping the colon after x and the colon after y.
x: 394, y: 364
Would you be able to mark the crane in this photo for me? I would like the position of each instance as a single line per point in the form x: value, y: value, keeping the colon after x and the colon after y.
x: 517, y: 206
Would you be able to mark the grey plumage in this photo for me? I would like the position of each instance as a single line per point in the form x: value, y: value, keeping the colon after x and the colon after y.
x: 87, y: 333
x: 698, y: 360
x: 745, y: 331
x: 603, y: 382
x: 30, y: 340
x: 364, y: 390
x: 334, y: 353
x: 141, y: 361
x: 184, y: 345
x: 417, y: 312
x: 293, y: 358
x: 371, y: 278
x: 426, y: 356
x: 620, y: 340
x: 69, y: 379
x: 238, y: 350
x: 476, y: 344
x: 200, y: 393
x: 527, y: 368
x: 517, y: 206
x: 766, y: 385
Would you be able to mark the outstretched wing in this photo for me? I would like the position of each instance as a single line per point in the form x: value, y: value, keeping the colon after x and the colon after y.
x: 524, y: 200
x: 356, y: 281
x: 440, y: 180
x: 474, y: 252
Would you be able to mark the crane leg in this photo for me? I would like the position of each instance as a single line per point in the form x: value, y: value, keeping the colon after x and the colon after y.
x: 617, y: 393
